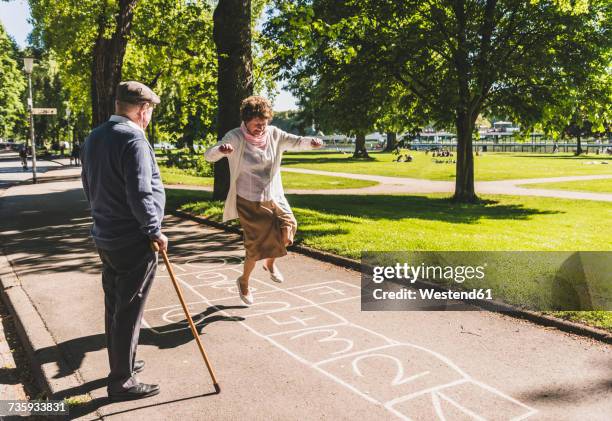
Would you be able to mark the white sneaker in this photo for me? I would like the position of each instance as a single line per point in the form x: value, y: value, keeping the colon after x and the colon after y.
x: 275, y: 275
x: 248, y: 298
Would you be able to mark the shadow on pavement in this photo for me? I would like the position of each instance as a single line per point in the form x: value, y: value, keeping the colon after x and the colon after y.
x: 562, y: 393
x: 94, y: 405
x: 49, y: 233
x: 167, y: 336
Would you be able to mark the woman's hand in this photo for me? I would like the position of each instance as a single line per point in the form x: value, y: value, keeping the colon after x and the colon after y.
x: 316, y: 143
x: 226, y: 149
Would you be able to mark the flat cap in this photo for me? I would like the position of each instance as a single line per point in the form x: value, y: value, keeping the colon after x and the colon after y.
x: 135, y: 93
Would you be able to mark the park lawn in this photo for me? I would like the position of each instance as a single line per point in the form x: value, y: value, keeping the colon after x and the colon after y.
x: 346, y: 225
x: 488, y: 167
x: 173, y: 175
x: 595, y: 186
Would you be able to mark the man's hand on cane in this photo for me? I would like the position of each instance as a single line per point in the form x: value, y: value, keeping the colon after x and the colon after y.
x: 155, y: 245
x: 162, y: 242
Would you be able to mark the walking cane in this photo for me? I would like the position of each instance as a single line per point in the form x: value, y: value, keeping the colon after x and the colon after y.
x: 155, y: 247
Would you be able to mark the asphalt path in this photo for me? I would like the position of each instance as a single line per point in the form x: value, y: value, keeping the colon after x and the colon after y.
x: 305, y: 350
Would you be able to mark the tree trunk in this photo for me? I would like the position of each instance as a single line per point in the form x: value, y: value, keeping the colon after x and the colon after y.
x: 108, y: 61
x: 465, y: 115
x: 391, y: 139
x: 360, y: 147
x: 579, y: 150
x: 464, y: 179
x: 232, y: 36
x: 152, y: 138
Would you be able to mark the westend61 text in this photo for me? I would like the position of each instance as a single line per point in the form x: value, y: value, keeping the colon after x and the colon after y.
x: 430, y: 294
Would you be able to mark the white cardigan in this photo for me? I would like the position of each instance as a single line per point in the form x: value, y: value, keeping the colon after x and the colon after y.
x: 278, y: 139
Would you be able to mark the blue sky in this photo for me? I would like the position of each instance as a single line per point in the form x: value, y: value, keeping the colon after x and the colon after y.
x: 14, y: 16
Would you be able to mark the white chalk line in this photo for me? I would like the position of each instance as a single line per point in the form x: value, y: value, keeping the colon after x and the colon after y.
x: 246, y: 316
x: 316, y: 365
x: 458, y: 406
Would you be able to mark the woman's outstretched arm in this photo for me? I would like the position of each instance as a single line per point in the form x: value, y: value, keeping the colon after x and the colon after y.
x: 290, y: 141
x: 219, y: 150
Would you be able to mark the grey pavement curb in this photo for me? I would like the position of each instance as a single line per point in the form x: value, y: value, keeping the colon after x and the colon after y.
x: 502, y: 308
x: 33, y: 333
x: 39, y: 344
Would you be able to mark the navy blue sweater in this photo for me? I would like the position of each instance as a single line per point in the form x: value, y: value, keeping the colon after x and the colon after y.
x: 123, y: 186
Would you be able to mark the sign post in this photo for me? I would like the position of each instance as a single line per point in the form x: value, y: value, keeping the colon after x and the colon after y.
x: 44, y: 111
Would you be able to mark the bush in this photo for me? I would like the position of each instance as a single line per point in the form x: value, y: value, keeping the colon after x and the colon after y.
x: 191, y: 164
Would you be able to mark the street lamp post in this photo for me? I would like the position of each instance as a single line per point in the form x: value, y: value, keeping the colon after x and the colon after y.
x: 70, y: 134
x: 28, y: 65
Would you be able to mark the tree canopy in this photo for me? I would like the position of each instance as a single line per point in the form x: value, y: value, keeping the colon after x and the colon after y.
x: 13, y: 83
x: 451, y: 59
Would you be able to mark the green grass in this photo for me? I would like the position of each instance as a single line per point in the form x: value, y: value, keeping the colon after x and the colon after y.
x: 595, y: 186
x: 346, y: 225
x: 290, y: 180
x: 75, y: 401
x: 173, y: 175
x: 489, y: 167
x: 299, y: 181
x: 601, y: 319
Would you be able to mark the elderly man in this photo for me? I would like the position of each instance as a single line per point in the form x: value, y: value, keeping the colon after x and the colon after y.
x: 122, y: 183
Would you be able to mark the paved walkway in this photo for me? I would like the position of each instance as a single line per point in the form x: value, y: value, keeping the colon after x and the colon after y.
x: 11, y: 171
x: 304, y: 351
x: 400, y: 185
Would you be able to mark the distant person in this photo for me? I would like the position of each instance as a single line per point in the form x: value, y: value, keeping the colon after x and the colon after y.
x: 555, y: 147
x: 122, y: 183
x: 256, y: 197
x: 23, y: 155
x: 75, y: 154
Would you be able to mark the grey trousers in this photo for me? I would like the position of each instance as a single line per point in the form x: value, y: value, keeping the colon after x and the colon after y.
x: 127, y: 275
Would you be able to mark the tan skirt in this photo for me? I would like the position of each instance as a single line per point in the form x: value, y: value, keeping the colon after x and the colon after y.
x: 262, y: 224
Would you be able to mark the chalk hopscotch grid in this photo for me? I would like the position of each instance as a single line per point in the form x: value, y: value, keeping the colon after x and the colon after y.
x: 435, y: 391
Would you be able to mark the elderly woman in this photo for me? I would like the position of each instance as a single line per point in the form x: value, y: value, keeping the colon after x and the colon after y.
x: 256, y: 195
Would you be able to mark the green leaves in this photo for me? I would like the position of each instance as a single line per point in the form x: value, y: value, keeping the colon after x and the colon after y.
x: 510, y: 56
x: 12, y: 88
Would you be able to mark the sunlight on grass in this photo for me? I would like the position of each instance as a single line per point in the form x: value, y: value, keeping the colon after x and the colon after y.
x: 295, y: 181
x: 490, y: 166
x: 594, y: 186
x: 346, y: 225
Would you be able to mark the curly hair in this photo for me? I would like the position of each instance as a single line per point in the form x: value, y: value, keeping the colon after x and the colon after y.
x: 255, y: 107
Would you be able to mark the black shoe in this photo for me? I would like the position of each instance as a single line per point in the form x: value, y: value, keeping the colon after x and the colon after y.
x: 138, y: 366
x: 141, y: 390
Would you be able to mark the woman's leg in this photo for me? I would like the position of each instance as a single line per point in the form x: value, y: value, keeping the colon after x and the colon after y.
x: 249, y: 265
x: 287, y: 236
x: 270, y: 263
x: 287, y: 222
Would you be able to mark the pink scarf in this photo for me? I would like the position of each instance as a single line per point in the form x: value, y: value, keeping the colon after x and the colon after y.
x: 257, y: 141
